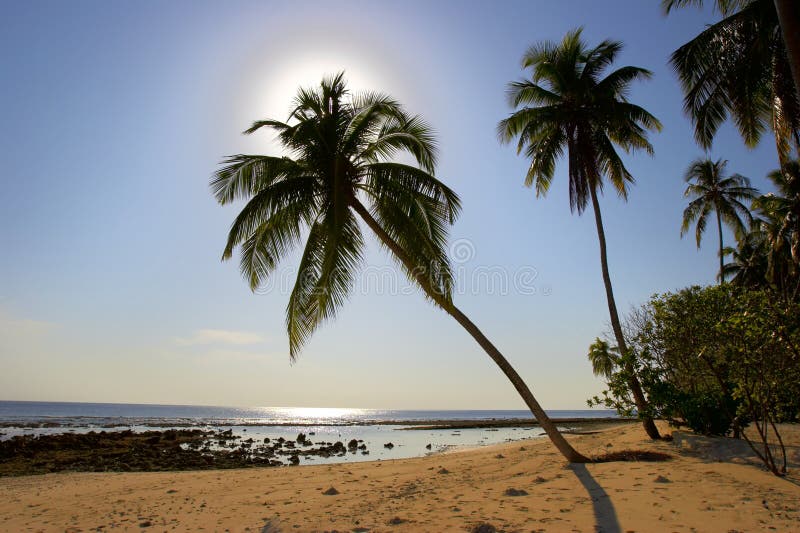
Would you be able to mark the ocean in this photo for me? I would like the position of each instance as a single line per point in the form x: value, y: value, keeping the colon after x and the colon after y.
x: 376, y: 427
x: 74, y: 414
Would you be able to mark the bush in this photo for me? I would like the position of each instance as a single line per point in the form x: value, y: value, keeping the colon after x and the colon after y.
x: 714, y: 359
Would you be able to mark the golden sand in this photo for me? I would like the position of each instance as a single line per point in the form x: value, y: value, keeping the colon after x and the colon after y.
x: 709, y: 485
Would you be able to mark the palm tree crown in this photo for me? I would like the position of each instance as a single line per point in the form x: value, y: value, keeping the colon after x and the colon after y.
x: 568, y: 105
x: 711, y: 191
x: 740, y: 67
x: 340, y: 147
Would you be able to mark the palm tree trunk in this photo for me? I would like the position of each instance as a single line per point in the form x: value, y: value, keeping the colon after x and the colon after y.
x: 548, y: 426
x: 789, y: 21
x: 633, y: 381
x: 721, y: 261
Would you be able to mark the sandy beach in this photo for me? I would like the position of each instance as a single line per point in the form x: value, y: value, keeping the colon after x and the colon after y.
x: 709, y: 485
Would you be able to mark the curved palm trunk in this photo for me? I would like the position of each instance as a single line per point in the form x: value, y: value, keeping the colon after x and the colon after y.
x: 721, y: 262
x: 633, y: 381
x: 549, y: 427
x: 789, y: 21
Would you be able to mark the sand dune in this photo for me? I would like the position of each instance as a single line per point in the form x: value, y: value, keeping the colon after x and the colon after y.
x: 710, y: 485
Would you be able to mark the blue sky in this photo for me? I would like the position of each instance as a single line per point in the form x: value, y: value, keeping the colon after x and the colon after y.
x: 115, y: 114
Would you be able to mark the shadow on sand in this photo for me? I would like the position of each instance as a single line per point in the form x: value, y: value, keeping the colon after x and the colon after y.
x: 604, y: 513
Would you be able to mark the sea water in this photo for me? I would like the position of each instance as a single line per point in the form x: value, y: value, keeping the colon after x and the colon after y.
x: 375, y: 427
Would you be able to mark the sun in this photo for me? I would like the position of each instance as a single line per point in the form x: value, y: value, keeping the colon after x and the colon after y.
x: 273, y: 79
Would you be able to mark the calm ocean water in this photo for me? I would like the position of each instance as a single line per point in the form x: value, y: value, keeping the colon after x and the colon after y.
x: 67, y: 414
x: 376, y: 427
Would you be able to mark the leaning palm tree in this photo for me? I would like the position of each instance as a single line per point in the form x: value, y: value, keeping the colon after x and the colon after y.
x: 338, y: 169
x: 740, y: 67
x: 569, y: 106
x: 711, y: 191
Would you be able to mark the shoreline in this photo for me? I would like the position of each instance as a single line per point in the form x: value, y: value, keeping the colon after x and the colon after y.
x: 183, y: 449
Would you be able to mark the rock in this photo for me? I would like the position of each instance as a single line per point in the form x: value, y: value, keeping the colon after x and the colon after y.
x: 515, y: 492
x: 301, y: 438
x: 499, y: 456
x: 352, y: 445
x: 294, y: 459
x: 388, y: 445
x: 444, y: 471
x: 146, y: 523
x: 331, y: 492
x: 661, y: 479
x: 396, y: 521
x: 484, y: 528
x: 539, y: 479
x: 428, y: 447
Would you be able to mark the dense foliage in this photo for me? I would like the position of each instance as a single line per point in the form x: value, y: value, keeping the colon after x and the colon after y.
x: 716, y: 359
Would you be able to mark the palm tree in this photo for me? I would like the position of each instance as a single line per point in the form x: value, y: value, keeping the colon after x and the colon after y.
x: 339, y: 169
x: 785, y: 205
x: 603, y: 357
x: 740, y: 67
x: 748, y: 264
x: 711, y: 191
x: 568, y: 106
x: 777, y: 230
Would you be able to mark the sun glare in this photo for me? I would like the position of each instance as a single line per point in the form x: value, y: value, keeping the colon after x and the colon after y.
x: 318, y: 413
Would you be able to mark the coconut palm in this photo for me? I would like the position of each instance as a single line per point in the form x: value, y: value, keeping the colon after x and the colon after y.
x: 711, y: 191
x: 784, y: 206
x: 339, y: 169
x: 568, y: 106
x: 740, y: 67
x: 603, y: 357
x: 748, y: 264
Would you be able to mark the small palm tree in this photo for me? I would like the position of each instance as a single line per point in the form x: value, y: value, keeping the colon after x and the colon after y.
x: 711, y: 191
x: 784, y: 206
x: 748, y: 265
x: 339, y: 170
x: 743, y: 66
x: 603, y: 357
x: 568, y: 106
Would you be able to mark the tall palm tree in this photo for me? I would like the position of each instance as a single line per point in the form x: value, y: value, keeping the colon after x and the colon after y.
x: 740, y: 67
x: 710, y: 191
x: 569, y: 106
x: 338, y: 169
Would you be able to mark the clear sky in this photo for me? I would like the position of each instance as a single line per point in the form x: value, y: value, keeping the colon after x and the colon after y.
x: 115, y: 114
